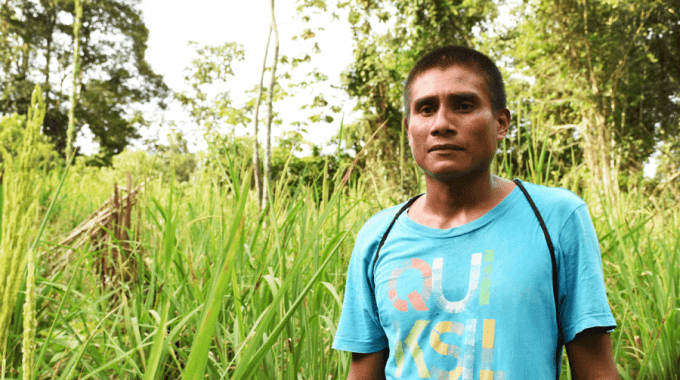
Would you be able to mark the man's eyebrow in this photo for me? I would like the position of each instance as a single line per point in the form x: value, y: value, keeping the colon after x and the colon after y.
x: 426, y: 99
x: 464, y: 96
x: 470, y: 96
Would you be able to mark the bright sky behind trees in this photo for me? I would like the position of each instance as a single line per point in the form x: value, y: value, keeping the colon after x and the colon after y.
x: 173, y: 23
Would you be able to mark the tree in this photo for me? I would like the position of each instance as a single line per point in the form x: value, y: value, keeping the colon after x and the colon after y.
x: 212, y: 69
x: 37, y: 48
x: 602, y: 66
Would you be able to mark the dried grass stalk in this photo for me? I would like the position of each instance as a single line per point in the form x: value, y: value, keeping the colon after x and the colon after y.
x: 106, y: 230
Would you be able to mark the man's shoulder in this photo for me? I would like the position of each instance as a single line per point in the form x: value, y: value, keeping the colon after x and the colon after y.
x: 553, y: 198
x: 556, y: 205
x: 372, y: 231
x: 378, y: 223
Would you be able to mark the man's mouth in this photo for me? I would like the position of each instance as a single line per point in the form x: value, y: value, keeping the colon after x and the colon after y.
x: 446, y: 147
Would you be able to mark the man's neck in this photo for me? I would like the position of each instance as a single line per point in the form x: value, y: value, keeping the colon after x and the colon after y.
x: 460, y: 201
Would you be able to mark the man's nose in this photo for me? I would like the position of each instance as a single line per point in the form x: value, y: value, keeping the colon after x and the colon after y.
x: 444, y: 122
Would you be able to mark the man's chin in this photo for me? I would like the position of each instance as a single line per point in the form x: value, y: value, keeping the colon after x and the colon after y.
x: 453, y: 176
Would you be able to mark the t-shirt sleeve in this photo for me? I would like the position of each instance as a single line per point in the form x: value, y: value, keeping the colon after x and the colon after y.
x: 582, y: 296
x: 359, y: 329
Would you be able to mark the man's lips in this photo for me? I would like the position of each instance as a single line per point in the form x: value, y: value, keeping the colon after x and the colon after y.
x: 445, y: 147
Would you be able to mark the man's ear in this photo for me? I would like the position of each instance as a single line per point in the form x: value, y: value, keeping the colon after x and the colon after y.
x: 503, y: 118
x: 405, y: 121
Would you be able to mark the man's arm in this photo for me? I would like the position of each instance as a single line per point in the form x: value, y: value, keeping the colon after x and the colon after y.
x: 368, y: 366
x: 591, y: 357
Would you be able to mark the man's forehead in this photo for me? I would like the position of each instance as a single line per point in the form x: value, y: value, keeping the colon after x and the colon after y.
x: 459, y: 74
x: 465, y: 70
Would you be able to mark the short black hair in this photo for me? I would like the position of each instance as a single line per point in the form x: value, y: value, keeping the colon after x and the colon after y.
x: 447, y: 56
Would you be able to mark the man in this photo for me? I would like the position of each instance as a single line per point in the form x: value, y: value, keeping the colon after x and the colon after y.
x: 461, y: 284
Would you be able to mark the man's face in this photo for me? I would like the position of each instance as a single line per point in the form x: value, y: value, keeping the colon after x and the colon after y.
x: 453, y: 129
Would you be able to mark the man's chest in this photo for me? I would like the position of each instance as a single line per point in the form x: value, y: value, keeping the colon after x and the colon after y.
x: 450, y: 308
x: 447, y: 278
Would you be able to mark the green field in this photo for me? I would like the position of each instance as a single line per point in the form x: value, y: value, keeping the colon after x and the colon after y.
x: 161, y: 262
x: 207, y: 285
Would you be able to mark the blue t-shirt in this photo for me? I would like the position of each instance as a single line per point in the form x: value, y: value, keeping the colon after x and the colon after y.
x: 475, y: 301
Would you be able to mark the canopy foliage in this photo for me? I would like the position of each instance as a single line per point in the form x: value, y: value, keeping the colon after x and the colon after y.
x: 36, y: 38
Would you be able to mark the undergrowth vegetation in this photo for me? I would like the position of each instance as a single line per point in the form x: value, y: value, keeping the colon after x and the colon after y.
x: 221, y: 289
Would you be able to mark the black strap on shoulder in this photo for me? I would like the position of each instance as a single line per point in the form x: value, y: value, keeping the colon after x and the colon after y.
x: 558, y: 358
x: 401, y: 210
x: 545, y: 232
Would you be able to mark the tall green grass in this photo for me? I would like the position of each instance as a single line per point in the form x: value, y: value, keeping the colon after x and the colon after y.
x: 18, y: 220
x: 225, y: 290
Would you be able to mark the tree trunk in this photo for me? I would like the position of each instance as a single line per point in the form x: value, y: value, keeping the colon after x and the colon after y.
x: 270, y: 100
x: 597, y: 149
x: 4, y: 46
x: 256, y: 147
x: 25, y: 47
x: 70, y: 132
x: 588, y: 144
x: 52, y: 17
x: 603, y: 146
x: 25, y: 52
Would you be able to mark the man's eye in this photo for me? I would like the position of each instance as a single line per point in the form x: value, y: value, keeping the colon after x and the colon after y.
x: 465, y: 106
x: 426, y: 109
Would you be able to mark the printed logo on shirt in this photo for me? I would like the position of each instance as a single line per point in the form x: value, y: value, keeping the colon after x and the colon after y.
x: 480, y: 266
x: 407, y: 347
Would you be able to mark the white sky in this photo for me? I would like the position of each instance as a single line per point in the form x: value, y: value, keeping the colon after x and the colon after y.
x: 173, y: 23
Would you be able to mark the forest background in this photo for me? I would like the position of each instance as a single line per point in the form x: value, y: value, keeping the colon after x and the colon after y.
x: 229, y: 262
